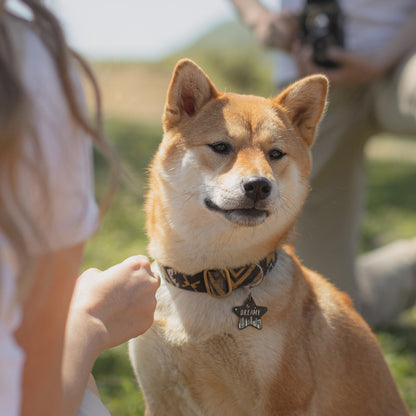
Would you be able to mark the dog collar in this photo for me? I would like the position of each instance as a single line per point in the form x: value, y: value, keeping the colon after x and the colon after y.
x: 220, y: 283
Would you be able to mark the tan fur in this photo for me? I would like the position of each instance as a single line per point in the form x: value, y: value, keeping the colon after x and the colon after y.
x: 314, y: 355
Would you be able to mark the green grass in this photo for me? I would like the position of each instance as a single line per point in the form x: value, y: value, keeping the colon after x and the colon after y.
x: 117, y: 383
x: 122, y: 230
x: 398, y: 342
x: 122, y: 235
x: 391, y: 203
x: 390, y: 214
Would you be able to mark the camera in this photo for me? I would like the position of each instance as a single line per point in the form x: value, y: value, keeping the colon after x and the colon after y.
x: 321, y: 26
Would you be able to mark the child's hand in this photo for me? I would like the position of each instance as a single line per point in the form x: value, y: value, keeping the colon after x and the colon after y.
x: 114, y: 305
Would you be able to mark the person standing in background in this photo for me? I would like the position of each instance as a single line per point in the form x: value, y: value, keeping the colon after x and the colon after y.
x: 373, y: 90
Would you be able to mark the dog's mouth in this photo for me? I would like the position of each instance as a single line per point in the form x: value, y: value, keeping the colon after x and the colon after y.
x: 241, y: 216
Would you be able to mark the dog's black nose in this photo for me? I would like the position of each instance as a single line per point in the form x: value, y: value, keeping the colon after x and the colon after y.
x: 257, y: 188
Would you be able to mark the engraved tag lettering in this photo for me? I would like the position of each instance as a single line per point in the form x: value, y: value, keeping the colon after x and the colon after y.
x: 250, y: 314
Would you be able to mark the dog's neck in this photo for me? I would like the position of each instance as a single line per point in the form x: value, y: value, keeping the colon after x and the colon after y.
x: 237, y: 249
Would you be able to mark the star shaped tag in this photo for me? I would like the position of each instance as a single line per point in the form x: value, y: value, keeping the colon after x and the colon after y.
x: 250, y: 314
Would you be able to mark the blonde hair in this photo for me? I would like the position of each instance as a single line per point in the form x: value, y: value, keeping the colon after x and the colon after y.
x: 15, y: 114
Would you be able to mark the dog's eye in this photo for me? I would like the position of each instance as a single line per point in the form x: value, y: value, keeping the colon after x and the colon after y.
x: 221, y: 147
x: 276, y: 154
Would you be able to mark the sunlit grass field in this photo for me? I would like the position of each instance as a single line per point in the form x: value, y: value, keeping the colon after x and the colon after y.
x: 136, y: 131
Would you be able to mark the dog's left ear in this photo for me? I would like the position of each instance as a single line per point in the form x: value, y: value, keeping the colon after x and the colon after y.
x: 304, y: 102
x: 188, y: 91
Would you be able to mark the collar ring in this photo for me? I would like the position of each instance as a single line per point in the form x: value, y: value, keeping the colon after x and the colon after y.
x: 257, y: 282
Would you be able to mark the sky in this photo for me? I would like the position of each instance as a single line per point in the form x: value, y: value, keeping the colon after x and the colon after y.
x: 138, y: 29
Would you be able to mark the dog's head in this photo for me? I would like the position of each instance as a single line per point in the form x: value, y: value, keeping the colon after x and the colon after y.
x: 232, y: 163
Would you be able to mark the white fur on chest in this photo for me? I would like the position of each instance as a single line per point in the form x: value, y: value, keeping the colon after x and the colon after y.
x: 195, y: 359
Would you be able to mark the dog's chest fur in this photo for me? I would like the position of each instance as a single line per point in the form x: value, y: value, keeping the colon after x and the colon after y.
x: 226, y: 371
x: 206, y: 365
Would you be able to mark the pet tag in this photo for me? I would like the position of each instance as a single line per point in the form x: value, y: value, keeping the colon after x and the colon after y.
x: 250, y: 314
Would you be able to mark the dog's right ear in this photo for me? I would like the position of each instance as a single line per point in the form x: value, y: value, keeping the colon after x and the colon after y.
x: 188, y: 91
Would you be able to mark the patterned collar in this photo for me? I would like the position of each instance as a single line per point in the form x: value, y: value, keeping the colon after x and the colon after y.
x: 221, y: 282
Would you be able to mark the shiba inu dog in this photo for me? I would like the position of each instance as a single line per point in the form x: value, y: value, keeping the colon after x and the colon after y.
x: 241, y: 327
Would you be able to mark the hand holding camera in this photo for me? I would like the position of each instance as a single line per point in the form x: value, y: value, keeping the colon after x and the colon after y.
x: 320, y: 48
x: 322, y: 28
x: 275, y: 30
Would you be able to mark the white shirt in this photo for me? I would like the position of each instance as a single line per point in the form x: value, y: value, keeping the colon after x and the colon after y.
x: 92, y: 405
x: 369, y: 24
x: 72, y: 216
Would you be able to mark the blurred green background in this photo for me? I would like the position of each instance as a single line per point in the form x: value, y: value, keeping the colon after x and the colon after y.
x: 133, y: 96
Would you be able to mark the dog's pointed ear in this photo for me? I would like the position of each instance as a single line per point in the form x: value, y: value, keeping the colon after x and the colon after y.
x: 188, y: 91
x: 305, y: 102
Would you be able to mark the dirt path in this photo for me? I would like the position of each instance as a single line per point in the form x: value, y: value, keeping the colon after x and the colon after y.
x: 131, y: 91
